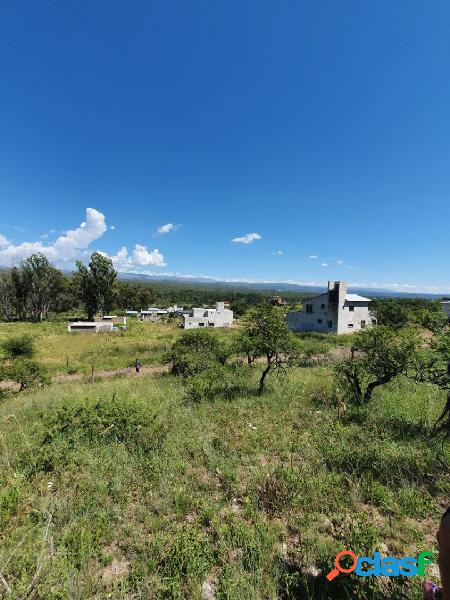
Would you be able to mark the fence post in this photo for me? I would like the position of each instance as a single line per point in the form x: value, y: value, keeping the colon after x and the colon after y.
x: 92, y: 372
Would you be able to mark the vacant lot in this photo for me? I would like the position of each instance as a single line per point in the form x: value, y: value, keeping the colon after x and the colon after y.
x: 124, y: 489
x: 62, y: 352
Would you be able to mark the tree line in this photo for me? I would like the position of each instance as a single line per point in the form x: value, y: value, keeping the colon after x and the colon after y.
x: 37, y: 290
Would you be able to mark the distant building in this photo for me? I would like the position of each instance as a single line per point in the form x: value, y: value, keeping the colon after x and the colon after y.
x: 152, y: 312
x: 106, y: 324
x: 208, y: 317
x: 176, y: 310
x: 132, y: 313
x: 278, y: 301
x: 90, y: 326
x: 446, y: 307
x: 335, y: 311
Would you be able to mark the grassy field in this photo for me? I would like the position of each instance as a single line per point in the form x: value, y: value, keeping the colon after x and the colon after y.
x: 62, y: 352
x: 124, y: 489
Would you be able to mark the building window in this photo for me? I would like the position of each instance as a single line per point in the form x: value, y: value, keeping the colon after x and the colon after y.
x: 211, y: 324
x: 351, y: 308
x: 330, y: 324
x: 201, y: 324
x: 350, y: 325
x: 309, y: 308
x: 319, y: 321
x: 322, y: 306
x: 363, y: 324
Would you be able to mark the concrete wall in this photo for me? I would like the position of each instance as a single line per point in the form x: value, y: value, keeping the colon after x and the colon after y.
x: 306, y: 321
x: 331, y: 313
x: 350, y: 321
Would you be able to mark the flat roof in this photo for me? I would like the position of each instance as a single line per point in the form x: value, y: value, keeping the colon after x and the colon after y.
x: 356, y: 298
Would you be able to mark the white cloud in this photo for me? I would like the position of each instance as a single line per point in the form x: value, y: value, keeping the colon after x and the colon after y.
x: 324, y: 264
x: 141, y: 257
x: 112, y: 227
x: 280, y: 252
x: 3, y: 240
x: 340, y: 262
x: 66, y: 248
x: 248, y: 238
x: 167, y: 228
x: 44, y: 236
x: 312, y: 256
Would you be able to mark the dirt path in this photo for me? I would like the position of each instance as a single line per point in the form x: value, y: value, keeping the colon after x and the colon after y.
x: 335, y: 354
x: 103, y: 373
x: 127, y: 372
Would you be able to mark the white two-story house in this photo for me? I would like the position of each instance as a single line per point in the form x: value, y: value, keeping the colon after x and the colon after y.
x: 335, y: 311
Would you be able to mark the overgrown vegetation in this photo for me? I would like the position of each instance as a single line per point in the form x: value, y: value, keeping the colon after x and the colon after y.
x: 194, y: 485
x: 112, y: 490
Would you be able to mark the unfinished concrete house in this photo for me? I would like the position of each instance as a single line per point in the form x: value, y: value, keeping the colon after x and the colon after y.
x: 335, y: 311
x: 208, y: 317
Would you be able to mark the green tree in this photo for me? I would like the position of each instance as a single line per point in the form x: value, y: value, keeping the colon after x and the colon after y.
x: 7, y: 296
x: 379, y: 354
x: 95, y: 284
x: 265, y: 334
x: 20, y: 293
x: 43, y: 283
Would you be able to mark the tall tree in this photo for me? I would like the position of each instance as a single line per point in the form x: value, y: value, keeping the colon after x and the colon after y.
x: 266, y: 334
x: 7, y: 296
x: 42, y: 283
x: 379, y: 354
x: 95, y: 284
x: 20, y: 293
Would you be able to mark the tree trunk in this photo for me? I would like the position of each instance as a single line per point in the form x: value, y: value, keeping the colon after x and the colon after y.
x: 372, y: 385
x: 264, y: 375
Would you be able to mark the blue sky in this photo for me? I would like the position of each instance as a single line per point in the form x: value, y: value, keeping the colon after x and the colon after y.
x: 321, y: 126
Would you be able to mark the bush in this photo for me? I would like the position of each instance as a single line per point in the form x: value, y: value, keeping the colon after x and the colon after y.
x: 19, y: 347
x: 194, y: 352
x: 218, y: 380
x: 27, y: 373
x: 97, y: 422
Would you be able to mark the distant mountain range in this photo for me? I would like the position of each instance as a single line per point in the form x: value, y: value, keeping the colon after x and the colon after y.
x: 273, y: 287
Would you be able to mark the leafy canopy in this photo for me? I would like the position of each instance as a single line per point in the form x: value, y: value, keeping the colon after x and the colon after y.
x: 265, y: 334
x: 379, y: 354
x: 95, y: 284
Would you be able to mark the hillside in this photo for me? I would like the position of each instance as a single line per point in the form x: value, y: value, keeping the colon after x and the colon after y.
x: 124, y: 488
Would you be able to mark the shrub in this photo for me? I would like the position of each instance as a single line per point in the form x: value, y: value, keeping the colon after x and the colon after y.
x: 218, y: 380
x: 27, y: 373
x: 194, y: 352
x: 19, y: 347
x: 97, y: 421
